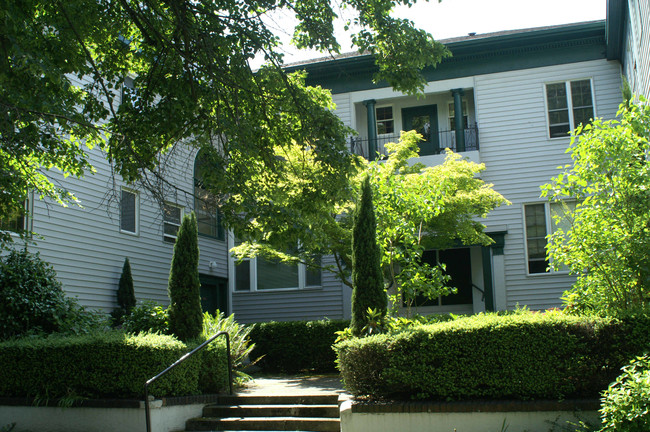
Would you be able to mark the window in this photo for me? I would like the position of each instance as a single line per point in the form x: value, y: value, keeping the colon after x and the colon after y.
x: 541, y: 220
x: 15, y: 221
x: 569, y: 104
x: 129, y: 212
x: 385, y: 122
x: 452, y: 115
x: 208, y: 217
x: 172, y: 216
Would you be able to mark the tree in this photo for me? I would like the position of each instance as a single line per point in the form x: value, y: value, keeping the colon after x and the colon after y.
x: 136, y: 78
x: 125, y: 290
x: 185, y: 314
x: 604, y: 235
x: 367, y: 280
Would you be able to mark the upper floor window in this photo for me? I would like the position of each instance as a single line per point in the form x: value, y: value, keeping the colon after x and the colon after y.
x: 172, y: 216
x: 207, y: 213
x: 452, y: 115
x: 385, y: 121
x: 542, y: 219
x: 569, y: 104
x: 129, y: 212
x: 15, y: 221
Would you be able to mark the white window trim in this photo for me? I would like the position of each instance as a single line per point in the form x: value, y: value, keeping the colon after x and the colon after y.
x: 549, y: 230
x: 392, y: 109
x: 572, y: 124
x: 232, y: 262
x: 137, y: 212
x: 164, y: 236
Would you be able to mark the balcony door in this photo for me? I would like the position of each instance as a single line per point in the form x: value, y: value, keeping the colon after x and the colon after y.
x: 424, y: 119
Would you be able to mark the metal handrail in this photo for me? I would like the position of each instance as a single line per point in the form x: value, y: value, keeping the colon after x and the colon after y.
x: 181, y: 360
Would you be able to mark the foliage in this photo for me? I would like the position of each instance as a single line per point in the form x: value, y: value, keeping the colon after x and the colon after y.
x: 185, y: 315
x: 125, y: 291
x: 240, y: 343
x: 98, y: 365
x: 367, y: 280
x: 295, y: 346
x: 520, y: 355
x: 32, y: 300
x: 147, y: 316
x: 62, y: 91
x: 626, y: 403
x: 607, y: 243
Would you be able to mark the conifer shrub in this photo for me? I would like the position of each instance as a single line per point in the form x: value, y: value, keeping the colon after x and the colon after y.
x: 99, y: 365
x: 367, y: 279
x: 125, y: 290
x: 296, y: 346
x: 185, y: 314
x: 520, y: 356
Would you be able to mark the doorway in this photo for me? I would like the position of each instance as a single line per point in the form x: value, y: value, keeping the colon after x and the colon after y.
x: 214, y: 294
x: 424, y: 119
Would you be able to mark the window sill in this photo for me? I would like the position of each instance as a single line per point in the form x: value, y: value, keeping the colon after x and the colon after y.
x: 555, y: 273
x: 129, y: 233
x: 215, y: 238
x: 282, y: 290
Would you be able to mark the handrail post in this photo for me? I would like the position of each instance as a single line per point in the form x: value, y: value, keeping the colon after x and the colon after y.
x: 147, y: 411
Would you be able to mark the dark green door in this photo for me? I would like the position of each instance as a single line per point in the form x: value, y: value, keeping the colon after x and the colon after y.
x: 214, y: 294
x: 424, y: 119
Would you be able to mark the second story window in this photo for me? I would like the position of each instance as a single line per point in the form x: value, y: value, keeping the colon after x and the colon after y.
x: 208, y: 217
x: 15, y: 220
x: 569, y: 104
x: 385, y: 122
x: 129, y: 212
x: 172, y: 216
x: 452, y: 115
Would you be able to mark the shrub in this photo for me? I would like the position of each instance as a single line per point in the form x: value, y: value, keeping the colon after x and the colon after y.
x: 296, y: 346
x: 626, y: 403
x: 185, y: 315
x: 148, y: 316
x: 367, y: 279
x: 240, y: 348
x: 522, y: 355
x: 32, y: 300
x: 106, y: 364
x: 125, y: 290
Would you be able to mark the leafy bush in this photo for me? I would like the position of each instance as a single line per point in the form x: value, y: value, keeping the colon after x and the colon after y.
x: 214, y: 360
x: 148, y: 316
x: 32, y: 300
x: 626, y: 403
x: 296, y: 346
x: 521, y: 355
x: 106, y: 364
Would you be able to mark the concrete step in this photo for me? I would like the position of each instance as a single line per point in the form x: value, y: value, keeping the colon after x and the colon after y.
x: 275, y: 410
x: 321, y: 399
x: 312, y: 424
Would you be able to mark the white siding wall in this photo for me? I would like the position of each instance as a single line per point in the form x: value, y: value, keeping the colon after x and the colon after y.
x: 87, y: 249
x: 519, y: 158
x: 637, y: 47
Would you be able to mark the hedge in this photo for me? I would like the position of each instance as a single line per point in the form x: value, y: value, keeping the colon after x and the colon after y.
x: 296, y: 346
x: 521, y: 356
x: 108, y: 364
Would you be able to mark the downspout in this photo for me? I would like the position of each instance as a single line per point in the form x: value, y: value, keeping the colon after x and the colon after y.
x: 372, y: 128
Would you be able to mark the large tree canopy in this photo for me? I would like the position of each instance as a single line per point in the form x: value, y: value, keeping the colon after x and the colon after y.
x: 63, y: 66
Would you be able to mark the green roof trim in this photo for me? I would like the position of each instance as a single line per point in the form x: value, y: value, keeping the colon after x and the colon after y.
x: 475, y: 55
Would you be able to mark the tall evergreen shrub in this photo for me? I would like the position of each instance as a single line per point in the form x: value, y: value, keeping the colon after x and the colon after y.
x: 367, y: 279
x: 125, y: 290
x: 185, y: 314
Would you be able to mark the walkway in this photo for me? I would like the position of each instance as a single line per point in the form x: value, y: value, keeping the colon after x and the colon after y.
x: 293, y: 385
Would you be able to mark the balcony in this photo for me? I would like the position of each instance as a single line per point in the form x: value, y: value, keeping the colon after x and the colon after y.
x: 446, y: 140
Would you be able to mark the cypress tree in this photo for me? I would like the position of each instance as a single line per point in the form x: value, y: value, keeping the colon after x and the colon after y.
x: 367, y: 278
x: 125, y: 290
x: 185, y: 314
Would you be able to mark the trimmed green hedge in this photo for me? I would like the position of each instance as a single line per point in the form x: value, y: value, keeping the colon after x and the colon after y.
x: 109, y: 364
x: 296, y: 346
x: 522, y: 356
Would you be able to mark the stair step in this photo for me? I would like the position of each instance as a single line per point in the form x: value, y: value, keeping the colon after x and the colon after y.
x: 264, y: 424
x: 274, y: 410
x: 322, y: 399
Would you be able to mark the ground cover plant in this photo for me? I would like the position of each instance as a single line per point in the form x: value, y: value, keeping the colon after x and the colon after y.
x: 521, y: 355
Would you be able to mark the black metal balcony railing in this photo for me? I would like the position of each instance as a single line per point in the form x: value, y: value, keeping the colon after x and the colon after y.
x: 446, y: 140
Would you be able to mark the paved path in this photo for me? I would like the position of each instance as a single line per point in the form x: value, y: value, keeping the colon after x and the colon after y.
x: 293, y: 385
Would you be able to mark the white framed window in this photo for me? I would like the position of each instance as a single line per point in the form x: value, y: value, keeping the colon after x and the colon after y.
x: 17, y: 221
x: 129, y: 211
x: 540, y: 220
x: 568, y: 104
x: 172, y: 217
x: 385, y: 121
x: 452, y: 115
